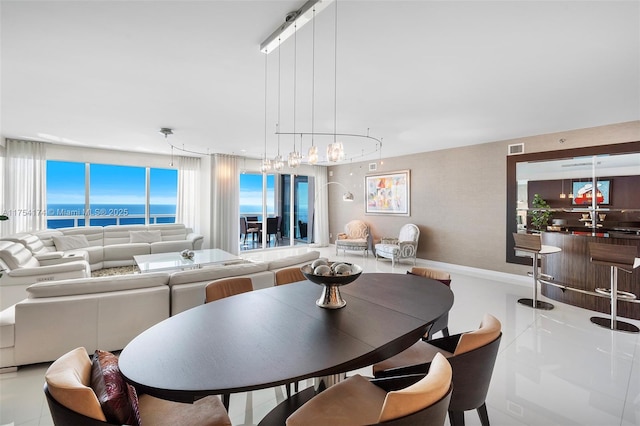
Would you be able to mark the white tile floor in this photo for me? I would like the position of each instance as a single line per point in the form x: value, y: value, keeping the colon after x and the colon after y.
x: 554, y: 367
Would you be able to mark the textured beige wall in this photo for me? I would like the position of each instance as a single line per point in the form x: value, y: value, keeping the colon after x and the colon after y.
x: 458, y: 196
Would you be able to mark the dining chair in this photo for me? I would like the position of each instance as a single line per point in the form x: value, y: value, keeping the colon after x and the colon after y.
x: 442, y: 323
x: 409, y: 400
x: 272, y: 228
x: 85, y: 392
x: 246, y: 230
x: 220, y: 289
x: 472, y: 356
x: 289, y: 275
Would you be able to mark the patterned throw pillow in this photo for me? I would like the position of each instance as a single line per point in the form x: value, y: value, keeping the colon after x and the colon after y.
x: 117, y: 398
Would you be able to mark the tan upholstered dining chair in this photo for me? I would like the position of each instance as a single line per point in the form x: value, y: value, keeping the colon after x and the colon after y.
x: 289, y: 275
x: 216, y: 290
x: 442, y: 323
x: 359, y: 401
x: 472, y: 356
x: 85, y: 392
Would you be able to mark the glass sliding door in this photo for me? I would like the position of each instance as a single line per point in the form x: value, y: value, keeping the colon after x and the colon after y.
x: 295, y: 208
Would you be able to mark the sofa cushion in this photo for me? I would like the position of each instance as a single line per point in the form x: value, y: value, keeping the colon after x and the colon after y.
x: 145, y: 236
x: 70, y: 242
x: 81, y: 286
x: 210, y: 273
x: 117, y: 398
x: 170, y: 232
x: 68, y: 380
x: 120, y: 234
x: 294, y: 260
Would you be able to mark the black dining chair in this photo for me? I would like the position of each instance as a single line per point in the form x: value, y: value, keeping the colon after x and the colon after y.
x: 272, y: 228
x: 442, y: 323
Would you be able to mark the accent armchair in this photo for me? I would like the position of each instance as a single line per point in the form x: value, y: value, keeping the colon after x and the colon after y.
x: 403, y: 247
x: 356, y: 236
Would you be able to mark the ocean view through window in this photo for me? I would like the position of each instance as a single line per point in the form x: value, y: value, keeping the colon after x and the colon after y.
x: 117, y: 195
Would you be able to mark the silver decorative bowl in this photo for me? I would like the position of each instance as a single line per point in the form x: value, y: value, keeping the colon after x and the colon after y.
x: 330, y: 297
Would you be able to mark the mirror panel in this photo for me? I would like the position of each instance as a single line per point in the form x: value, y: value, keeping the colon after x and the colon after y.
x: 564, y: 179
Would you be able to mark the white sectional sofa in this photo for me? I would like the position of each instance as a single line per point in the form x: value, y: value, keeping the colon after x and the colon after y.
x: 101, y: 247
x: 107, y: 312
x: 115, y: 245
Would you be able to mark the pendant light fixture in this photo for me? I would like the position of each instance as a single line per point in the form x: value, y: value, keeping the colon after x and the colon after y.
x: 277, y: 163
x: 266, y: 163
x: 313, y: 150
x: 295, y: 158
x: 562, y: 194
x: 335, y: 150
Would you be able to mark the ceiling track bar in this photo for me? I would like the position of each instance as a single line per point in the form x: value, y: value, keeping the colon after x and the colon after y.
x: 300, y: 17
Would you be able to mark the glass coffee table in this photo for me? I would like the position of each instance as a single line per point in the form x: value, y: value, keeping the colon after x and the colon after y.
x: 175, y: 262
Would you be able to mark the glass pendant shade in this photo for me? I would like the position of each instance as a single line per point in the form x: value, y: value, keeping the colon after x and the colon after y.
x: 294, y: 159
x: 313, y: 154
x: 277, y: 163
x: 266, y: 165
x: 335, y: 152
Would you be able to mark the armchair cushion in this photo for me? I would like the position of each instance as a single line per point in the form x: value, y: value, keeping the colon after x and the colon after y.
x: 488, y: 331
x: 70, y: 242
x: 68, y: 379
x: 420, y: 395
x: 117, y: 398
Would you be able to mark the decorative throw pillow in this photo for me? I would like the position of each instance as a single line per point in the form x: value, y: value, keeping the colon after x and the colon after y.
x: 117, y: 398
x: 70, y: 242
x: 145, y: 236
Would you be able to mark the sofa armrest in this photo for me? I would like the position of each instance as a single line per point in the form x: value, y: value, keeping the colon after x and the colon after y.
x: 51, y: 269
x: 196, y: 240
x: 52, y: 255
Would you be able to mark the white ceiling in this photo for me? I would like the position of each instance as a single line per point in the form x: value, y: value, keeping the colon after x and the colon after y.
x: 421, y: 75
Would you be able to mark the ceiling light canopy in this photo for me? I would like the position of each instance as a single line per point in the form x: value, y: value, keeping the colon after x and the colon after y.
x: 287, y: 29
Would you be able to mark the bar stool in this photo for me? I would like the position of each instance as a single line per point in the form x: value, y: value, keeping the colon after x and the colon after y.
x: 616, y: 257
x: 532, y: 244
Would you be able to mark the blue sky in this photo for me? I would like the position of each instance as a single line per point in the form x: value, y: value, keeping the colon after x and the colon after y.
x: 110, y: 184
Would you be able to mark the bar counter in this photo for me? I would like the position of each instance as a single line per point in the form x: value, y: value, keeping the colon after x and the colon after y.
x: 573, y: 269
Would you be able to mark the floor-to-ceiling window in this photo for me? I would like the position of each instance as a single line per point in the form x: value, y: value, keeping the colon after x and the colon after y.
x: 284, y: 203
x: 104, y: 194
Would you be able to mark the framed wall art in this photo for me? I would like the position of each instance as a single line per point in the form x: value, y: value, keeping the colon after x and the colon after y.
x: 388, y: 194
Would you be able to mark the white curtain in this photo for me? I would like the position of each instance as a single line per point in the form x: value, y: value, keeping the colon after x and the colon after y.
x: 188, y: 208
x: 25, y: 198
x: 225, y: 203
x: 321, y: 207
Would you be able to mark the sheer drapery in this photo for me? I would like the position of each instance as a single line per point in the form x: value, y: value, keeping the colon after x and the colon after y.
x: 25, y: 198
x: 225, y: 203
x: 188, y: 208
x: 321, y: 207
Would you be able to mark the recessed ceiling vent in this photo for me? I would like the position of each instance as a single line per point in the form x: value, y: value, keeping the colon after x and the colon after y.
x: 516, y: 148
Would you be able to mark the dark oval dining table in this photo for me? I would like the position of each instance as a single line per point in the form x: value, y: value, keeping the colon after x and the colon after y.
x: 278, y: 335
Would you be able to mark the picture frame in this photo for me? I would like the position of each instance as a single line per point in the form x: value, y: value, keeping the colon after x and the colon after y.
x: 388, y: 193
x: 583, y: 193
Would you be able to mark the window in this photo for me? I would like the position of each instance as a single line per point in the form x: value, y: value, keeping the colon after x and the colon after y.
x: 117, y: 195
